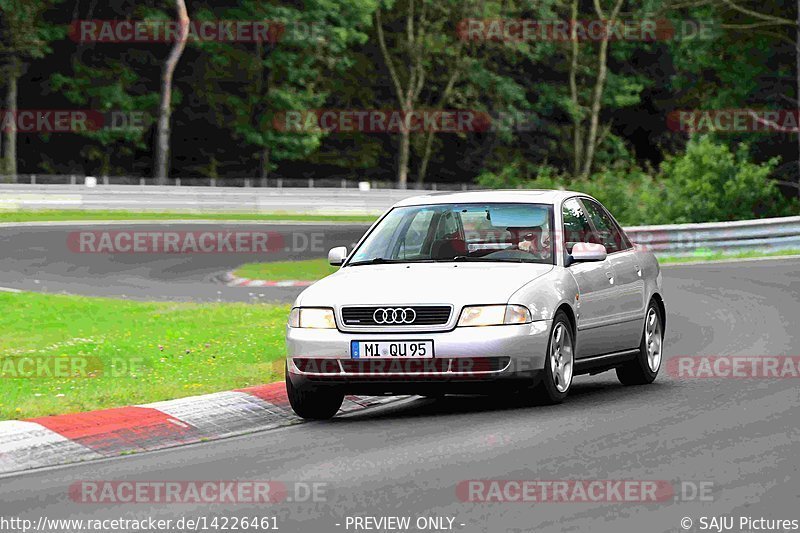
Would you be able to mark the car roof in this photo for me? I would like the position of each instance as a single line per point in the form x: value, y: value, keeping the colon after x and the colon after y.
x: 532, y: 196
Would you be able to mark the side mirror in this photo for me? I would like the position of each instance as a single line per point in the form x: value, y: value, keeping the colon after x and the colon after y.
x: 337, y: 255
x: 587, y: 251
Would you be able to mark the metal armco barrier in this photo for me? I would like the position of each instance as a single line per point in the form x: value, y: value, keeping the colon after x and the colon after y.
x: 681, y: 239
x: 203, y: 199
x: 766, y: 234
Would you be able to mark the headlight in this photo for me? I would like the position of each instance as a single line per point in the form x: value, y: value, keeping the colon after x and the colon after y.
x: 494, y: 315
x: 312, y: 317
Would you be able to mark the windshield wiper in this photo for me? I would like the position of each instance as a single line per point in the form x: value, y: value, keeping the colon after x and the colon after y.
x: 373, y: 261
x: 384, y: 261
x: 466, y: 258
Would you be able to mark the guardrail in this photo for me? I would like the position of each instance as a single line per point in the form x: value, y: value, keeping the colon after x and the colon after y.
x: 203, y: 199
x: 277, y: 183
x: 764, y: 235
x: 771, y: 234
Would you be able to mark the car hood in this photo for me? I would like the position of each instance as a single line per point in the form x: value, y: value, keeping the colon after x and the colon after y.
x: 422, y: 283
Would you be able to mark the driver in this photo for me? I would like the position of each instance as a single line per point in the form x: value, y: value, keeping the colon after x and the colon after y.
x: 532, y: 245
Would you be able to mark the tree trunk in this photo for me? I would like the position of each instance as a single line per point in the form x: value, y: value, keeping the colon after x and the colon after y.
x: 11, y: 108
x: 160, y: 169
x: 402, y: 163
x: 597, y: 93
x: 426, y: 157
x: 577, y: 138
x: 797, y: 92
x: 264, y: 165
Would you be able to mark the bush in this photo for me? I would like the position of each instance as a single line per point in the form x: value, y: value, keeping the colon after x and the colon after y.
x: 707, y: 183
x: 710, y: 183
x: 627, y: 193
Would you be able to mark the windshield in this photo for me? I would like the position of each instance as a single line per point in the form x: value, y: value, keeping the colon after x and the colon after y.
x: 503, y: 232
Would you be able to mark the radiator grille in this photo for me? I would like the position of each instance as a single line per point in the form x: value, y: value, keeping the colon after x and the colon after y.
x: 399, y: 316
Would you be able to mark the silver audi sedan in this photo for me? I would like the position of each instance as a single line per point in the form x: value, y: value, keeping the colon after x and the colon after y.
x: 478, y: 292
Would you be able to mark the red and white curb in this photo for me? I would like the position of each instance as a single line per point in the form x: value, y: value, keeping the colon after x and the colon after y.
x: 64, y: 439
x: 234, y: 281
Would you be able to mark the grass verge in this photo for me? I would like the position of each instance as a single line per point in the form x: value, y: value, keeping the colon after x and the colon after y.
x: 104, y: 353
x: 45, y: 215
x: 314, y: 269
x: 708, y: 255
x: 305, y: 270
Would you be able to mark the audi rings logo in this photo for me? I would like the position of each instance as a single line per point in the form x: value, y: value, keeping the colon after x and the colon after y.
x: 396, y: 315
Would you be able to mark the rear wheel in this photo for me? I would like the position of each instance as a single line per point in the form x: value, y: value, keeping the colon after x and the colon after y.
x: 558, y: 367
x: 644, y: 368
x: 313, y: 402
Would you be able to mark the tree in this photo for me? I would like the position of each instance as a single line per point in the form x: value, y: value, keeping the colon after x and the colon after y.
x: 161, y: 164
x: 285, y: 74
x: 24, y: 35
x: 110, y: 85
x: 417, y: 51
x: 757, y: 31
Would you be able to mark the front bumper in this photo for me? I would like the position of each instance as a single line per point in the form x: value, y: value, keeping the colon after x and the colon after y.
x: 502, y: 353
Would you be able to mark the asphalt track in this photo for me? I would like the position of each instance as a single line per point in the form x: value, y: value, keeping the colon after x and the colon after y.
x: 48, y: 258
x: 738, y: 436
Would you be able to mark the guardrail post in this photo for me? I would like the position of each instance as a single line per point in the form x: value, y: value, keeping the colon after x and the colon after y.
x: 33, y: 179
x: 213, y: 182
x: 247, y: 182
x: 141, y: 181
x: 280, y: 183
x: 177, y: 182
x: 344, y: 183
x: 310, y: 183
x: 73, y: 179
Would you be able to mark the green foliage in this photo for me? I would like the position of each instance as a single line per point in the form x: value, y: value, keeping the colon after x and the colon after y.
x: 711, y: 183
x: 283, y: 77
x: 707, y: 183
x: 24, y: 33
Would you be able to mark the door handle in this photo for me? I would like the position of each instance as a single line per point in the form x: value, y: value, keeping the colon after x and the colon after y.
x: 610, y: 277
x: 638, y: 270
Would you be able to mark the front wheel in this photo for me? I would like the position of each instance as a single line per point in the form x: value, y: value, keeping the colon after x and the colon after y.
x: 313, y: 403
x: 644, y: 368
x: 558, y: 367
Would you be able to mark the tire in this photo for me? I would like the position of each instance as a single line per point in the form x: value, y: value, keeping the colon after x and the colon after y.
x: 313, y: 403
x: 559, y: 363
x: 644, y: 368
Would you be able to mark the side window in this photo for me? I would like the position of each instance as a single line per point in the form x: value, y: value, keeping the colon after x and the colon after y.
x: 607, y: 232
x: 448, y: 227
x: 411, y: 244
x: 576, y: 225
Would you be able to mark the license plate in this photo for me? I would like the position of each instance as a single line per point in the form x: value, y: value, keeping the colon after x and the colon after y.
x: 391, y: 349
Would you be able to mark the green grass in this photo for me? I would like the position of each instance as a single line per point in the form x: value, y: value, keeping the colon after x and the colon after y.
x: 306, y: 270
x: 46, y: 215
x: 147, y: 351
x: 314, y: 269
x: 708, y: 255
